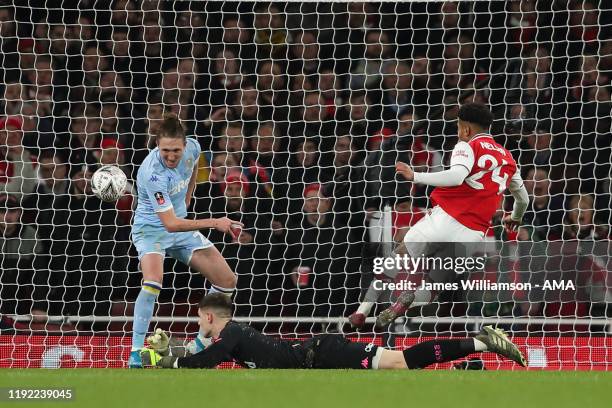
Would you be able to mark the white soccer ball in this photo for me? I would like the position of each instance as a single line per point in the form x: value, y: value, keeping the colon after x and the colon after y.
x: 108, y: 183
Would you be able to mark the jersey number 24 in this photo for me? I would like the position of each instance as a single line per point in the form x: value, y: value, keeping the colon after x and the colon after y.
x: 495, y: 168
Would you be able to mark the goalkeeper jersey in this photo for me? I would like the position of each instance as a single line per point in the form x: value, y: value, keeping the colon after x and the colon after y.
x: 249, y: 348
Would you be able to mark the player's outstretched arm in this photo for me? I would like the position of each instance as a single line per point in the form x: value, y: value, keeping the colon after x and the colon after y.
x: 164, y: 345
x: 210, y: 357
x: 174, y: 224
x: 447, y: 178
x: 151, y: 358
x: 461, y: 163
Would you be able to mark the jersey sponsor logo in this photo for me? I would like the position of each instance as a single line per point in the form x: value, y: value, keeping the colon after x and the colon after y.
x: 461, y: 153
x: 179, y: 186
x: 153, y: 179
x: 159, y: 197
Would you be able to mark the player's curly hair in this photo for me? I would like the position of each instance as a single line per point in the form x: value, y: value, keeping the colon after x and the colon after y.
x: 220, y: 303
x: 171, y: 127
x: 476, y: 113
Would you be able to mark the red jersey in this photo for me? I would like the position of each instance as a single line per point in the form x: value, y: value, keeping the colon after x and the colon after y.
x: 474, y: 202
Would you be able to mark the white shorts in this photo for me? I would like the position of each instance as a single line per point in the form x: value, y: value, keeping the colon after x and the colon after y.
x: 438, y: 226
x: 426, y: 237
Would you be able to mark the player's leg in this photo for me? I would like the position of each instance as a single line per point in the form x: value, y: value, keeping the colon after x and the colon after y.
x: 211, y: 264
x: 334, y: 351
x: 373, y: 295
x: 444, y: 231
x: 152, y: 265
x: 419, y: 240
x: 196, y: 251
x: 430, y: 352
x: 193, y: 249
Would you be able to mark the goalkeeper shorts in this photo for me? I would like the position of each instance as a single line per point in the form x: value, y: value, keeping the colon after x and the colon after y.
x: 335, y: 351
x: 178, y: 245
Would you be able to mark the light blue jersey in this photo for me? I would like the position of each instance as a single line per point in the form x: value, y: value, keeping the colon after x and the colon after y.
x: 161, y: 188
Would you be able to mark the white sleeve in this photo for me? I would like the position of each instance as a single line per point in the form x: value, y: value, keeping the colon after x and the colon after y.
x: 462, y: 161
x: 521, y: 198
x: 447, y: 178
x: 462, y: 155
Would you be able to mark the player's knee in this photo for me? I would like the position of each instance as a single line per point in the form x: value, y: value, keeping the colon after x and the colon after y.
x: 389, y: 360
x: 233, y: 281
x: 400, y: 363
x: 152, y: 266
x: 228, y: 281
x: 392, y: 365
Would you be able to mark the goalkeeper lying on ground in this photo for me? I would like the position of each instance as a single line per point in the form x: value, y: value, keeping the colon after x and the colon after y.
x: 251, y: 349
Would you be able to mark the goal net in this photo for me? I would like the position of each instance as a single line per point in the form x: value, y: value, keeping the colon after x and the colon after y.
x: 302, y: 111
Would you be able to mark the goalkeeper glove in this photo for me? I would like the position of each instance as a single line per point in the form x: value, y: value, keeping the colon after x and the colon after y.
x: 150, y: 358
x: 159, y: 342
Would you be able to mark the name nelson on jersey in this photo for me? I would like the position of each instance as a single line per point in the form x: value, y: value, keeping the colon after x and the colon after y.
x: 489, y: 146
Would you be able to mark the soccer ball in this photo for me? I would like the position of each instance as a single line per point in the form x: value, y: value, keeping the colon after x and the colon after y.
x: 108, y: 183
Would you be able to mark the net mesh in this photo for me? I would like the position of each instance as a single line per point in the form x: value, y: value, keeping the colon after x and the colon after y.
x: 301, y: 111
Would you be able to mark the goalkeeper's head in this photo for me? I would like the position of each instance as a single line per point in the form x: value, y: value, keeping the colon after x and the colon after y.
x: 214, y: 310
x: 473, y: 118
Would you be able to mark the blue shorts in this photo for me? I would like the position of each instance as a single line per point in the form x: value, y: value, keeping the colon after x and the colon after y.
x: 178, y: 245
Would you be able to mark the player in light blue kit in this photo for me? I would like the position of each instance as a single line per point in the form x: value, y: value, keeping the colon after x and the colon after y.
x: 166, y: 180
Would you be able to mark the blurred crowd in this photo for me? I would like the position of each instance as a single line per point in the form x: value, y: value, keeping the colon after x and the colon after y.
x: 301, y: 111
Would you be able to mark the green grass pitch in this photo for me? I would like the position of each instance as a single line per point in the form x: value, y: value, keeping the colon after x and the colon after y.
x: 111, y: 388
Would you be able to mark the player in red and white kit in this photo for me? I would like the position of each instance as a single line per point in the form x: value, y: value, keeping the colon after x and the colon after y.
x: 465, y: 199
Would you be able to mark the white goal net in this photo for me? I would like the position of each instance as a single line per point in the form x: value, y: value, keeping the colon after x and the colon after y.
x: 302, y: 111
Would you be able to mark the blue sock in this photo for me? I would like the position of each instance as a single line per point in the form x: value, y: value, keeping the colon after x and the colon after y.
x: 143, y: 312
